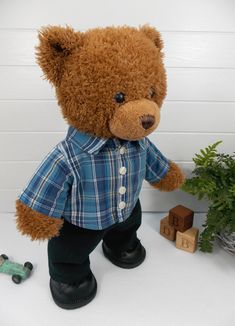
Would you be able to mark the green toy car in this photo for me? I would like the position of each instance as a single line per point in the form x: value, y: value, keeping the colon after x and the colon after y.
x: 19, y: 272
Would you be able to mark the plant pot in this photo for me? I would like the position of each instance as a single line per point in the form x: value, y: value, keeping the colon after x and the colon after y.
x: 227, y: 241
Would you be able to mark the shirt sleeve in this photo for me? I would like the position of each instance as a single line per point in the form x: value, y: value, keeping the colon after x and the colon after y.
x: 157, y: 165
x: 48, y: 189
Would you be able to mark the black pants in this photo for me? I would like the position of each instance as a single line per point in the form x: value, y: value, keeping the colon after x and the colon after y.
x: 68, y: 254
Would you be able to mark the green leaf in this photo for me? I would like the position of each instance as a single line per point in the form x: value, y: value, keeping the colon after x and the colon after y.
x: 214, y: 178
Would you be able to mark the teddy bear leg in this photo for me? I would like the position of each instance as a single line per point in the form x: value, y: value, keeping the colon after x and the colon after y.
x: 121, y: 245
x: 72, y: 282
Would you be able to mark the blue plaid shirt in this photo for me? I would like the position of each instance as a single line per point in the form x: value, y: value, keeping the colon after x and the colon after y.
x: 93, y: 182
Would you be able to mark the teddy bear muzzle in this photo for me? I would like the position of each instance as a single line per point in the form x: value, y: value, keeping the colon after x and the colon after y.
x: 135, y: 119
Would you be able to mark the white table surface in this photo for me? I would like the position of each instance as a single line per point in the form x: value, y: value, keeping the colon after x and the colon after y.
x: 171, y: 288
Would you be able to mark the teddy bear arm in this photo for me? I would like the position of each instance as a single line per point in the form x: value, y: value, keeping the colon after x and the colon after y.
x: 36, y: 225
x: 172, y: 180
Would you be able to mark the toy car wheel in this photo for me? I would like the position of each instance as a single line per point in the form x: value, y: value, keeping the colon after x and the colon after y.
x: 16, y: 279
x: 4, y: 256
x: 28, y: 265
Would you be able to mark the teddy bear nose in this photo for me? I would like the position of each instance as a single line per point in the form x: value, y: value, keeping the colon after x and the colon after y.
x: 147, y: 121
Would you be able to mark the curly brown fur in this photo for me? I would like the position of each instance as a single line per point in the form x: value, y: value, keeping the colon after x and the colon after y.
x: 56, y: 44
x: 153, y: 35
x: 126, y: 126
x: 110, y: 60
x: 36, y: 225
x: 173, y: 179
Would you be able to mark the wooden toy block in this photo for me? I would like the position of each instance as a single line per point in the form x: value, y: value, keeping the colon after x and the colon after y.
x: 187, y: 240
x: 166, y: 230
x: 181, y: 218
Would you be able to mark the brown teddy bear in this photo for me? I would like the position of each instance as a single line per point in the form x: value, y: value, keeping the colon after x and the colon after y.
x: 110, y: 84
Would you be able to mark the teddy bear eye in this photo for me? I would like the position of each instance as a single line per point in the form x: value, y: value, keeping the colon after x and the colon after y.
x: 119, y: 97
x: 152, y: 92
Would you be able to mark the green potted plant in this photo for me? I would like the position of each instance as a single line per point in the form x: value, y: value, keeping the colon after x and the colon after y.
x: 214, y: 179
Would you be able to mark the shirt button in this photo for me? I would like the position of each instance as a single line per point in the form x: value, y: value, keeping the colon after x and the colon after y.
x: 122, y: 150
x: 122, y: 205
x: 122, y: 170
x: 122, y: 190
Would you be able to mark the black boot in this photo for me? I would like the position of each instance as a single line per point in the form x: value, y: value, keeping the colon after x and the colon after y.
x: 130, y: 258
x: 72, y: 296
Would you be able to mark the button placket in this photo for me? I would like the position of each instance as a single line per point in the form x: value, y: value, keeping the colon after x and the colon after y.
x: 122, y: 188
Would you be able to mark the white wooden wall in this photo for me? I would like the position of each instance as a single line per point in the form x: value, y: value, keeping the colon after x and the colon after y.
x: 199, y: 40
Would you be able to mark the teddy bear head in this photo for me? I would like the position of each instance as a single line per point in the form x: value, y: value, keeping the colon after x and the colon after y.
x: 109, y: 82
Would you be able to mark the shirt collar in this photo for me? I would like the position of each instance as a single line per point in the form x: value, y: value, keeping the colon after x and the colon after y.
x: 92, y: 144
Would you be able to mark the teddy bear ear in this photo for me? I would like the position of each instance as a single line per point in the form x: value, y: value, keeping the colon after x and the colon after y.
x: 153, y: 35
x: 55, y: 45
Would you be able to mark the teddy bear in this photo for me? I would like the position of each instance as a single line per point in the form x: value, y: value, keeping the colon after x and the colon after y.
x: 110, y: 84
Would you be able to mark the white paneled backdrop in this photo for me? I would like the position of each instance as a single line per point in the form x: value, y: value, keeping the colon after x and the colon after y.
x: 199, y: 38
